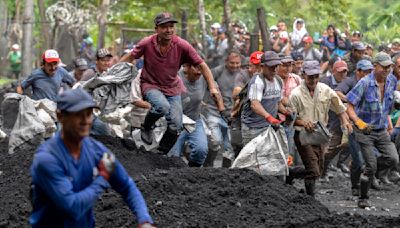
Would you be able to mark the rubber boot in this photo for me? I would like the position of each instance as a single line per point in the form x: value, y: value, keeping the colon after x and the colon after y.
x: 147, y: 127
x: 365, y: 183
x: 341, y: 164
x: 298, y: 172
x: 310, y: 187
x: 211, y: 155
x: 193, y: 164
x: 382, y: 175
x: 167, y: 141
x: 355, y: 182
x: 375, y: 184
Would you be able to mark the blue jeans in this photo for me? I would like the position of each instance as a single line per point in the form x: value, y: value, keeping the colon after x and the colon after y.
x: 99, y: 127
x: 220, y: 133
x: 355, y: 152
x: 168, y: 106
x: 197, y: 141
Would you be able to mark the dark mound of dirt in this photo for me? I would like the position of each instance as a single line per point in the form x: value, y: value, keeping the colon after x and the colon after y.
x: 184, y: 197
x: 227, y: 198
x: 15, y: 175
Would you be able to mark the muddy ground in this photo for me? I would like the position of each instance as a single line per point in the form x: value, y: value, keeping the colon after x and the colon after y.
x: 178, y: 196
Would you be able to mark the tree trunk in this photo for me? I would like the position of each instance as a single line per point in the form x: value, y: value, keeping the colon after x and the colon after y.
x: 227, y: 22
x: 45, y: 27
x: 3, y: 39
x: 203, y: 28
x: 102, y: 23
x: 27, y: 43
x: 184, y: 24
x: 264, y: 29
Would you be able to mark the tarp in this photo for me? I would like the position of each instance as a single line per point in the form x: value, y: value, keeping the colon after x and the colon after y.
x: 112, y: 88
x: 35, y: 118
x: 266, y: 154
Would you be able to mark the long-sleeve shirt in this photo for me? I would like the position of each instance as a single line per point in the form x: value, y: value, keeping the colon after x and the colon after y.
x: 65, y: 189
x: 315, y: 108
x: 45, y: 86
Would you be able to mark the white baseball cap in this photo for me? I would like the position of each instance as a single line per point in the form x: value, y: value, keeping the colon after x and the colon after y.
x: 15, y: 46
x: 216, y: 25
x: 51, y: 55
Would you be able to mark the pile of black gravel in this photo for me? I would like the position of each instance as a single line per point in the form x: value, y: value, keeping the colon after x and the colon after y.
x: 178, y: 196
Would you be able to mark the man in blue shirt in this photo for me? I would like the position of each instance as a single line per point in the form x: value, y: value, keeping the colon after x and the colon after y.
x: 70, y: 171
x: 370, y: 102
x: 47, y: 80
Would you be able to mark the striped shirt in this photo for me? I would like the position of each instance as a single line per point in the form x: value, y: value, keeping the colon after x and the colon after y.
x: 365, y: 97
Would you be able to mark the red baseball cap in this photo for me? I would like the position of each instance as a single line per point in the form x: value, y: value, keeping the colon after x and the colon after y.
x: 255, y: 57
x: 307, y: 39
x: 50, y: 56
x: 340, y: 66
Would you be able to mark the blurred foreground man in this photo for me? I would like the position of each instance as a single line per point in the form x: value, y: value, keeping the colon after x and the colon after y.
x: 70, y: 171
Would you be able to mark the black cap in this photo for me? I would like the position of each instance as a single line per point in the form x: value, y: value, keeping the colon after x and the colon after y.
x: 163, y: 18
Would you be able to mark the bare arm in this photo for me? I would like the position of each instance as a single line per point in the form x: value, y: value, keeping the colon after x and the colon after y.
x: 142, y: 104
x: 205, y: 70
x: 127, y: 58
x: 344, y: 119
x: 236, y: 92
x: 352, y: 114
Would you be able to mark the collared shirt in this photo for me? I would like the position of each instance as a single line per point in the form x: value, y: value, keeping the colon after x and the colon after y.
x: 315, y: 108
x: 45, y: 86
x: 160, y: 71
x: 290, y: 83
x: 366, y: 98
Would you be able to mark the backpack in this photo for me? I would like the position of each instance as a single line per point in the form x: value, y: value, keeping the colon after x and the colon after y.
x: 244, y: 98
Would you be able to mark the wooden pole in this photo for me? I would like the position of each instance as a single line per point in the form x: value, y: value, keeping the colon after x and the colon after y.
x: 27, y: 43
x: 203, y: 28
x: 262, y: 22
x: 102, y: 23
x: 184, y: 24
x: 227, y: 22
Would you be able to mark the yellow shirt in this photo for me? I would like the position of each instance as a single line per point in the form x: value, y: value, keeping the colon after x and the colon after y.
x: 315, y: 108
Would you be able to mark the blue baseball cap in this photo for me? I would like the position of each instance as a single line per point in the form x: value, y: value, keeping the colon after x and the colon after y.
x: 364, y: 64
x: 75, y: 100
x: 311, y: 67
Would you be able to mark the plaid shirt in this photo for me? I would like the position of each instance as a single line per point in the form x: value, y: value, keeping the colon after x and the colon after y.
x: 365, y: 97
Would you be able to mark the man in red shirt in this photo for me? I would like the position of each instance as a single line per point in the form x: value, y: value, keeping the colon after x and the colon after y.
x: 164, y: 53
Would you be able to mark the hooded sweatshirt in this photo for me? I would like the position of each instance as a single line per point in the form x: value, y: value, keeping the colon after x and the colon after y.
x: 297, y: 35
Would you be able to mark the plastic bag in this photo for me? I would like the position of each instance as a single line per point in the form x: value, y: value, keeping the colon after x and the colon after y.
x: 266, y: 154
x: 319, y: 136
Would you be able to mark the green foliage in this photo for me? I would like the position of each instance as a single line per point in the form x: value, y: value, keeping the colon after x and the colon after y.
x: 378, y: 19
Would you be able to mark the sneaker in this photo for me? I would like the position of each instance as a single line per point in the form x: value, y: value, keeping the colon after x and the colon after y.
x: 344, y: 168
x: 363, y: 203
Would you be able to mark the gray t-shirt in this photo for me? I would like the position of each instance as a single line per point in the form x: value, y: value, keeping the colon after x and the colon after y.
x: 346, y: 85
x: 44, y: 86
x: 242, y: 78
x: 191, y: 99
x: 226, y: 82
x: 269, y: 96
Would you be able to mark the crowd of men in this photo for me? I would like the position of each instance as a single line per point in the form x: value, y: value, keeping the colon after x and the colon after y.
x: 341, y: 85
